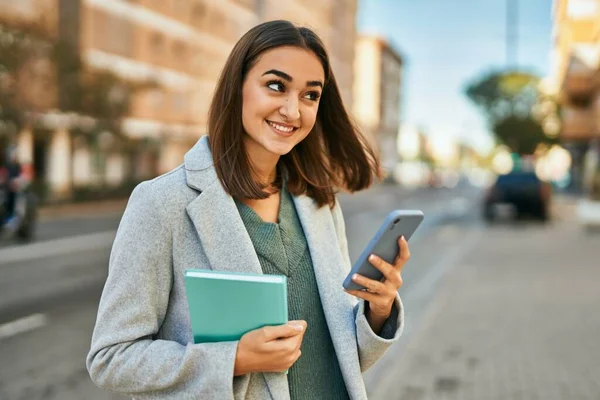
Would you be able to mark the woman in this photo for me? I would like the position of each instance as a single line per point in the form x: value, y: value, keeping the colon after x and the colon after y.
x: 256, y: 195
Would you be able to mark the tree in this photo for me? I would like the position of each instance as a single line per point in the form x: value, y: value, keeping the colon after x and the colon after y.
x: 17, y: 47
x: 508, y: 98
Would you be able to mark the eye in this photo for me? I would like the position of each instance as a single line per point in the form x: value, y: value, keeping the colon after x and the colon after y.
x: 313, y: 96
x: 276, y: 86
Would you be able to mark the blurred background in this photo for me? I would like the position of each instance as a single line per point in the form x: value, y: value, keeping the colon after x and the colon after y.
x: 487, y: 117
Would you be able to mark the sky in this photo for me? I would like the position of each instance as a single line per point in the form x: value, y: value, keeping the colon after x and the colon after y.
x: 446, y: 44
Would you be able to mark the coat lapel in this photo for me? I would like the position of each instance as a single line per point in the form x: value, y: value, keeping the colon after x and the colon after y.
x: 222, y: 233
x: 338, y: 306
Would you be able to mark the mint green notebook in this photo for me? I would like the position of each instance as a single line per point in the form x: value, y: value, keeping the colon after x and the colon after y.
x: 224, y: 305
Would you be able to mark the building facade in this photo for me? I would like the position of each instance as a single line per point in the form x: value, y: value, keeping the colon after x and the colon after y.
x: 377, y: 95
x: 174, y: 51
x: 575, y: 76
x: 576, y: 66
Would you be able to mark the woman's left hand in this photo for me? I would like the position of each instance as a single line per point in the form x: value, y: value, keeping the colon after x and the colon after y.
x: 381, y: 294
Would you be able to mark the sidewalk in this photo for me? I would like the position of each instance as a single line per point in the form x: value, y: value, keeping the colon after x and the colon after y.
x: 516, y: 318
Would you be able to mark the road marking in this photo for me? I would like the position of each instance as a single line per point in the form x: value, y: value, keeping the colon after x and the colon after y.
x: 57, y: 247
x: 22, y: 325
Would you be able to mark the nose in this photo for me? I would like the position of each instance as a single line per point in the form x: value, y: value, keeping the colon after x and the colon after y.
x: 290, y: 110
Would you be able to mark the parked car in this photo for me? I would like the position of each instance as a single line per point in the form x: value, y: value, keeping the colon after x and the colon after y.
x: 524, y: 191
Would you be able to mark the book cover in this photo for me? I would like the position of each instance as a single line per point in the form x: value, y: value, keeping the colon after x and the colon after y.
x: 224, y: 305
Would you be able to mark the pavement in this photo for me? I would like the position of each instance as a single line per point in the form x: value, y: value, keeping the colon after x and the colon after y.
x: 515, y: 317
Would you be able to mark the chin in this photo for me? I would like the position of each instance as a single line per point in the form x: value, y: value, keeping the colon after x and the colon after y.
x: 280, y: 146
x: 280, y: 149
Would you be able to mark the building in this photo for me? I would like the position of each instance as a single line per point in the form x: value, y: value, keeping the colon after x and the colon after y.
x: 174, y: 51
x: 376, y: 106
x: 575, y: 76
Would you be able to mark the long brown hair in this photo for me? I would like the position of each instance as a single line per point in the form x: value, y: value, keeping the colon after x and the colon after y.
x: 334, y: 155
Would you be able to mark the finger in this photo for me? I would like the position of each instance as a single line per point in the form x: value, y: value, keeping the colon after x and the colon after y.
x: 389, y: 272
x: 403, y: 254
x: 290, y: 329
x: 299, y: 339
x: 371, y: 285
x: 361, y: 294
x: 284, y: 345
x: 299, y: 322
x: 304, y: 325
x: 287, y: 345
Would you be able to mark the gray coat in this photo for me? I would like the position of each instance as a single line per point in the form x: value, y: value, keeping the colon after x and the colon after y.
x: 142, y: 343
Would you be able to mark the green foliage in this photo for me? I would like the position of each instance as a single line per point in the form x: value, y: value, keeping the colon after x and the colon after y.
x: 507, y: 99
x: 520, y: 134
x: 15, y: 47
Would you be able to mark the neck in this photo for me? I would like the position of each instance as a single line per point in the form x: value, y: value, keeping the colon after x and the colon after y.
x: 264, y: 164
x: 265, y: 174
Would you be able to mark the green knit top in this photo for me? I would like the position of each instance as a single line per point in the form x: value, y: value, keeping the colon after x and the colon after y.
x: 282, y: 249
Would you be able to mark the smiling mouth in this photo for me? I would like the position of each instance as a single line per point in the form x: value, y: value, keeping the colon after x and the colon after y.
x: 284, y: 129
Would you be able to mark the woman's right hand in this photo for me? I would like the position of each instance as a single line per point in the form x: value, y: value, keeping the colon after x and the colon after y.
x: 269, y: 349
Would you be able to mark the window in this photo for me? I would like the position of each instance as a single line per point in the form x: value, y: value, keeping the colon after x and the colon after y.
x: 179, y: 51
x: 157, y: 43
x: 119, y: 35
x: 222, y: 25
x: 155, y: 99
x: 198, y: 14
x: 181, y: 6
x: 179, y: 102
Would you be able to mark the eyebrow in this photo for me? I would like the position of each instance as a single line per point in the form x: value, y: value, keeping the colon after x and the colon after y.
x: 288, y: 78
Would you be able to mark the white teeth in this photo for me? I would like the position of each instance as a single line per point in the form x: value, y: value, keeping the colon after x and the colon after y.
x: 280, y: 128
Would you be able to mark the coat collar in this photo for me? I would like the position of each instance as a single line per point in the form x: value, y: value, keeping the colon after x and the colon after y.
x: 228, y: 247
x: 199, y: 167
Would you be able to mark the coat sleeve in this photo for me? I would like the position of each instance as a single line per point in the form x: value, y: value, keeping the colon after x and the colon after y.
x: 371, y: 346
x: 126, y: 355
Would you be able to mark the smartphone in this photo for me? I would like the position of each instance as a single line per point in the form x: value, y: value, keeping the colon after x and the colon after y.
x: 384, y: 244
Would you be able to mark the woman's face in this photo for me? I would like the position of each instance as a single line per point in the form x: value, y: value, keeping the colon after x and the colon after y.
x: 280, y: 100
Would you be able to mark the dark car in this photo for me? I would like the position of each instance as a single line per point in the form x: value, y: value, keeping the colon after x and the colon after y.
x: 524, y: 191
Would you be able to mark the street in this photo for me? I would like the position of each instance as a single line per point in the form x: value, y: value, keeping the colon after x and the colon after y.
x: 50, y: 288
